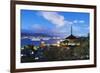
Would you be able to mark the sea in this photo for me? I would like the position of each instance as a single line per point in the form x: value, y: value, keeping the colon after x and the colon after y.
x: 37, y: 42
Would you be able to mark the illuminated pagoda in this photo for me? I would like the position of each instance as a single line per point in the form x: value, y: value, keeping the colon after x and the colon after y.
x: 71, y: 40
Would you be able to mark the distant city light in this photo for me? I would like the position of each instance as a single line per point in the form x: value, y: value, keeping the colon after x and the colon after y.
x: 22, y: 48
x: 58, y: 43
x: 42, y: 42
x: 32, y: 52
x: 35, y: 48
x: 36, y: 58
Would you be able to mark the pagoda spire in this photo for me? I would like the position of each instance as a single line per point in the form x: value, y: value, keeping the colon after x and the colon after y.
x: 71, y: 34
x: 71, y: 30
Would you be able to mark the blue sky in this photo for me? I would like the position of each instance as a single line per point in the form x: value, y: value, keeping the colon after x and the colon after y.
x: 55, y: 22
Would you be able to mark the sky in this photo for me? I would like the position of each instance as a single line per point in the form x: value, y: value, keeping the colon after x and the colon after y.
x: 55, y: 22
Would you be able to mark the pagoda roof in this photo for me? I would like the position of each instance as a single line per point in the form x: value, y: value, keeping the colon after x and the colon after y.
x: 71, y: 37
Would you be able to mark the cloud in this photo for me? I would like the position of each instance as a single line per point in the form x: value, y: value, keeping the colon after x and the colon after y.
x: 78, y: 21
x: 58, y: 19
x: 75, y: 21
x: 54, y: 18
x: 81, y: 21
x: 63, y: 25
x: 37, y: 28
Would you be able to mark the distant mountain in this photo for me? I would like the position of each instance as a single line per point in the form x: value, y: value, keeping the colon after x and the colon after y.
x: 36, y: 34
x: 43, y: 34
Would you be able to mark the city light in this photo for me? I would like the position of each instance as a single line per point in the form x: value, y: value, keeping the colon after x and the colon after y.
x: 58, y: 43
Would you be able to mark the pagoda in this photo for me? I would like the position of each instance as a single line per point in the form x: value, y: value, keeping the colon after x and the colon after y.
x: 71, y: 40
x: 71, y: 36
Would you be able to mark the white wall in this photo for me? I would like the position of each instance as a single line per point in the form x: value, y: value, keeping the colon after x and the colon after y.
x: 5, y: 37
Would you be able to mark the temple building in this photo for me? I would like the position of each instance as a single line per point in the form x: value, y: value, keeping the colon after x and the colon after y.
x: 71, y: 40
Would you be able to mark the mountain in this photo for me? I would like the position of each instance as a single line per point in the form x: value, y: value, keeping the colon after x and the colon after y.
x: 43, y: 34
x: 36, y: 34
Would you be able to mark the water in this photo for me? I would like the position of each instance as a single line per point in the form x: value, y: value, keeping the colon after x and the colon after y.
x: 28, y: 41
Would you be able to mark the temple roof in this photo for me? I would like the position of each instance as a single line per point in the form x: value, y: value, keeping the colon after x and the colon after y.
x: 71, y: 37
